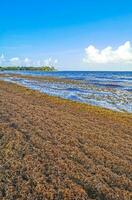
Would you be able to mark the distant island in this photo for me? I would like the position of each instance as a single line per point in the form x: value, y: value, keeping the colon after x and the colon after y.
x: 14, y: 68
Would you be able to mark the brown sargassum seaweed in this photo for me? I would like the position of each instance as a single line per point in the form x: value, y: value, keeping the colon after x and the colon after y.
x: 56, y: 149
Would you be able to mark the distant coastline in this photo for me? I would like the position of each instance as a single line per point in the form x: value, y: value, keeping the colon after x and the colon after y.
x: 17, y: 68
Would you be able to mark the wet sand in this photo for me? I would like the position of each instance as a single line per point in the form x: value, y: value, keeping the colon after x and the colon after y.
x: 57, y: 149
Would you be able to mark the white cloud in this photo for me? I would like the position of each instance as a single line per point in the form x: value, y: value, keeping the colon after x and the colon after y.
x: 15, y: 61
x: 2, y: 59
x: 38, y: 63
x: 27, y: 62
x: 47, y: 61
x: 55, y: 61
x: 108, y: 55
x: 50, y: 62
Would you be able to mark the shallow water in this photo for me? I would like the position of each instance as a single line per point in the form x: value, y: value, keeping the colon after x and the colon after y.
x: 111, y: 90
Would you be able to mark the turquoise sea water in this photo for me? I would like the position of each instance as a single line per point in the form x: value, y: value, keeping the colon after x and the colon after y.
x: 111, y: 90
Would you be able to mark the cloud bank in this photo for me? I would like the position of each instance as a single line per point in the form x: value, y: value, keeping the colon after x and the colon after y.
x: 108, y: 55
x: 17, y: 61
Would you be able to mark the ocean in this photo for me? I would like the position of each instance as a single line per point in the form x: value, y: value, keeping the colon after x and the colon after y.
x: 112, y: 90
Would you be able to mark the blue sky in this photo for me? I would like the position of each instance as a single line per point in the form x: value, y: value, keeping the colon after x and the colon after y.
x: 72, y: 35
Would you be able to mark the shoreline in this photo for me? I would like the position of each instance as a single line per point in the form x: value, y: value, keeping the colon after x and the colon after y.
x: 55, y: 148
x: 109, y: 98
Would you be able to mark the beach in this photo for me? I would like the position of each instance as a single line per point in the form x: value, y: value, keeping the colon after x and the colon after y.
x: 52, y: 148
